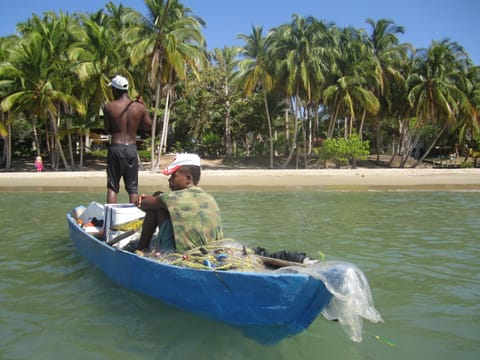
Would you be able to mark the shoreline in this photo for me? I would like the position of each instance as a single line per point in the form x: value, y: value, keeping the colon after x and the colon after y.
x: 311, y: 179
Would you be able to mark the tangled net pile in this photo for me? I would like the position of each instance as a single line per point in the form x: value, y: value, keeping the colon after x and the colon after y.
x: 225, y: 254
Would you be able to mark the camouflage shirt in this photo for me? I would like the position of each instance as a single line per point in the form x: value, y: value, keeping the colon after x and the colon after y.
x: 195, y: 217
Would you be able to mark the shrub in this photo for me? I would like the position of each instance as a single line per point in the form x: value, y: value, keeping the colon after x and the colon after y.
x: 341, y: 150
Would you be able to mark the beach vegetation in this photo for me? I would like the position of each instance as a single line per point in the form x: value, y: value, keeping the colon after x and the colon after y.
x: 304, y: 90
x: 343, y: 152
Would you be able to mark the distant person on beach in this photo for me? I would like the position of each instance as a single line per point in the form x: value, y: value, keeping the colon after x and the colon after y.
x: 122, y: 119
x: 39, y: 163
x: 186, y: 217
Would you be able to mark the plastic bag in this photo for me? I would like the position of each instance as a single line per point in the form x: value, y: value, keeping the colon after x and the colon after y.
x: 352, y: 298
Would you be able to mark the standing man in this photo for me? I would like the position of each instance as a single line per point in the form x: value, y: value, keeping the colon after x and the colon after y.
x: 122, y: 118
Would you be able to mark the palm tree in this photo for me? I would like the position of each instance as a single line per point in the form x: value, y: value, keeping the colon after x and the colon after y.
x: 170, y: 40
x: 389, y: 56
x: 5, y: 118
x: 434, y: 92
x: 226, y: 61
x: 255, y: 71
x: 349, y: 90
x: 302, y: 60
x: 38, y: 73
x: 99, y: 53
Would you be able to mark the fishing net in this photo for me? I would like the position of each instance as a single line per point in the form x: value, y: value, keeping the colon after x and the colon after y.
x: 225, y: 254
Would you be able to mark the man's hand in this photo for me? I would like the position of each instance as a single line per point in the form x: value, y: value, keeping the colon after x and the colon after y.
x: 139, y: 201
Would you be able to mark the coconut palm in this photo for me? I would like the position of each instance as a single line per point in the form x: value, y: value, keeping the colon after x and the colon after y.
x: 255, y: 71
x: 171, y: 44
x: 301, y: 62
x: 226, y: 62
x: 388, y: 56
x: 6, y: 120
x: 435, y: 94
x: 37, y: 69
x: 469, y: 121
x: 349, y: 91
x: 99, y: 53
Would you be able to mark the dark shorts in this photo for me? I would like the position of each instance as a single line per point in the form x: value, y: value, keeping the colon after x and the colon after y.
x: 122, y: 161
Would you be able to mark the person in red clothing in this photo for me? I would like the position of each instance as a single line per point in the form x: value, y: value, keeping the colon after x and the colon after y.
x: 39, y: 163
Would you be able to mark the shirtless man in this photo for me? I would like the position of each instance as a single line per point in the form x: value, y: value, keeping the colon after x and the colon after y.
x: 122, y: 118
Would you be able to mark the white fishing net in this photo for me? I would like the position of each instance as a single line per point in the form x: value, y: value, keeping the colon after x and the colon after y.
x: 352, y: 298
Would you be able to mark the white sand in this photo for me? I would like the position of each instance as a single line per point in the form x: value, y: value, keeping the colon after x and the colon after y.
x: 362, y: 178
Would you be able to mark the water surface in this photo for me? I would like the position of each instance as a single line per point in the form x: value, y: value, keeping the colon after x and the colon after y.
x: 419, y: 250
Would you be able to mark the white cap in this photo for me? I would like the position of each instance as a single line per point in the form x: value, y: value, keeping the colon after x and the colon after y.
x: 119, y: 82
x: 181, y: 160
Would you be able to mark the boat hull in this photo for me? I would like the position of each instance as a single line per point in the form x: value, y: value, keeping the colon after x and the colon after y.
x: 266, y: 306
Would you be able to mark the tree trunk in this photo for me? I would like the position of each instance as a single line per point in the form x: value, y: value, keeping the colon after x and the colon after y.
x: 378, y: 140
x: 287, y: 128
x: 56, y: 145
x: 419, y: 161
x: 164, y: 134
x: 360, y: 129
x: 80, y: 161
x: 154, y: 127
x: 269, y: 122
x: 294, y: 137
x: 70, y: 145
x: 35, y: 137
x: 333, y: 120
x: 228, y: 130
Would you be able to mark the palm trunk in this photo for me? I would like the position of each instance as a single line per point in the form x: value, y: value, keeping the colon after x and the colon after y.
x: 163, y: 135
x: 154, y: 127
x: 269, y: 122
x: 228, y: 130
x: 8, y: 160
x: 35, y: 137
x: 80, y: 161
x: 287, y: 128
x: 360, y: 130
x: 304, y: 130
x: 294, y: 137
x: 442, y: 130
x: 333, y: 120
x: 56, y: 145
x: 70, y: 145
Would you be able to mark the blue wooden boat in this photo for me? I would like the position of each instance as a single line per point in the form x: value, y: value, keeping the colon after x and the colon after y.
x: 268, y: 306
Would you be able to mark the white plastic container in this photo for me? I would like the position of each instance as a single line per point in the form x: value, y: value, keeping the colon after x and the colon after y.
x: 125, y: 213
x: 117, y: 214
x: 94, y: 210
x: 78, y: 211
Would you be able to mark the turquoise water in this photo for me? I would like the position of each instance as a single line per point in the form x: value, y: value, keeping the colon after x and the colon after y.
x: 419, y: 250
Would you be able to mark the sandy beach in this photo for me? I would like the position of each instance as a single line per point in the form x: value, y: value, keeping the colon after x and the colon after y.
x: 317, y: 179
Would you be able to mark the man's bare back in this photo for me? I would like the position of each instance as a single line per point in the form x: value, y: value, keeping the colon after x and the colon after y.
x: 123, y: 117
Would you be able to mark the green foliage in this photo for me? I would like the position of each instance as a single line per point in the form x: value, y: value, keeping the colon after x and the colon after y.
x: 210, y: 146
x: 144, y: 154
x: 322, y: 78
x: 341, y: 151
x: 99, y: 153
x: 466, y: 165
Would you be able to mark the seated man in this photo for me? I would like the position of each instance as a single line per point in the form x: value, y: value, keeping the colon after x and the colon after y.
x: 187, y: 217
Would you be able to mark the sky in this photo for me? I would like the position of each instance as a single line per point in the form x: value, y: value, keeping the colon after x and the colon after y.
x: 424, y: 21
